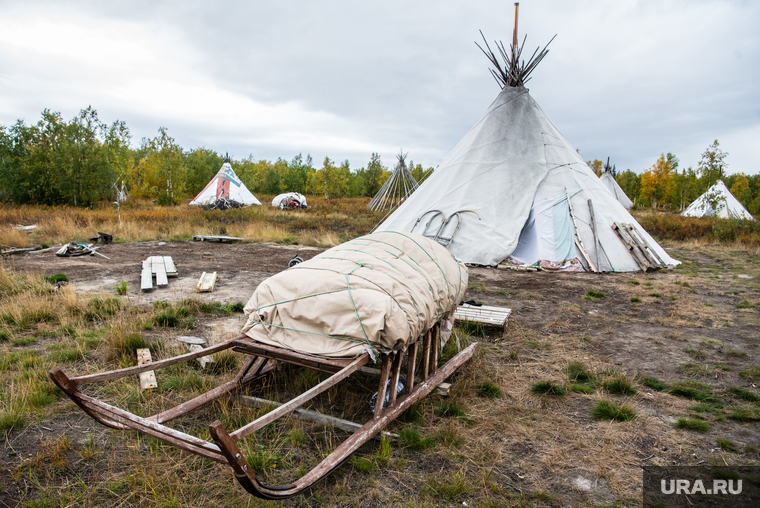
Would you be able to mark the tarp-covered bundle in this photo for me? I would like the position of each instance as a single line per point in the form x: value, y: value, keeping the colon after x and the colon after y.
x: 374, y: 293
x: 289, y: 200
x: 718, y: 202
x: 225, y: 191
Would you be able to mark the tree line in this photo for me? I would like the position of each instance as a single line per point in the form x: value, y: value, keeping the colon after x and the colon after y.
x: 664, y: 186
x: 84, y: 161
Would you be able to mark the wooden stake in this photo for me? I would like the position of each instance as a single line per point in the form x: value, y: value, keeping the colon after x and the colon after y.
x: 593, y: 228
x: 514, y: 33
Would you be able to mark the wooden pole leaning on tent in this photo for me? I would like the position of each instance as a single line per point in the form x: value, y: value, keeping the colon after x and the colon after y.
x: 593, y: 230
x: 578, y: 240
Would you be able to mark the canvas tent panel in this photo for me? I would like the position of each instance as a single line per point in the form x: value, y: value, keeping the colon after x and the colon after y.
x: 547, y: 234
x: 374, y: 293
x: 609, y: 182
x: 499, y: 144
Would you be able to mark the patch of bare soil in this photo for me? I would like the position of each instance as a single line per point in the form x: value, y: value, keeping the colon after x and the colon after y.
x: 697, y: 323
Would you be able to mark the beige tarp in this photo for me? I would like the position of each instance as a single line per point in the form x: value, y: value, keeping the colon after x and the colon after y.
x: 375, y: 293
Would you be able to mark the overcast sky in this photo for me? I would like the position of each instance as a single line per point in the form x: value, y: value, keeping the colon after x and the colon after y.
x: 625, y: 79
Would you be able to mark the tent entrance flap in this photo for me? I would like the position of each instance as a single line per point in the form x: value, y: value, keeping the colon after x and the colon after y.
x: 547, y: 234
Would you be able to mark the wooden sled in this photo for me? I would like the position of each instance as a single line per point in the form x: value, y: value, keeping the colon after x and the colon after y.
x: 261, y: 360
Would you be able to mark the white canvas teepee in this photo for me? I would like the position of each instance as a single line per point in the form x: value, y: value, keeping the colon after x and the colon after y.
x: 225, y: 191
x: 522, y: 178
x: 609, y: 181
x: 718, y: 202
x: 396, y: 189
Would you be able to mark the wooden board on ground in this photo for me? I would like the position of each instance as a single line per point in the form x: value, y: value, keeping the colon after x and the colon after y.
x: 171, y: 270
x: 147, y: 379
x: 206, y: 282
x: 160, y: 270
x: 146, y: 279
x: 494, y: 316
x: 204, y: 238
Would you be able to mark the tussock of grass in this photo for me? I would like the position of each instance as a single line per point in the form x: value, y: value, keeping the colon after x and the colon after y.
x: 743, y: 394
x: 363, y: 465
x: 448, y: 409
x: 727, y: 445
x: 653, y: 383
x: 619, y: 386
x: 751, y: 373
x: 448, y: 489
x: 635, y: 299
x: 488, y: 390
x: 577, y: 373
x: 548, y: 388
x: 593, y: 295
x: 633, y: 282
x: 695, y: 391
x: 745, y: 414
x: 587, y: 389
x: 606, y: 410
x: 412, y: 415
x: 411, y: 438
x: 226, y: 361
x: 689, y: 424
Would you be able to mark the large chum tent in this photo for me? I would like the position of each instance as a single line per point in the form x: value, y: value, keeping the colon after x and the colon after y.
x: 718, y: 202
x: 529, y: 190
x: 225, y: 191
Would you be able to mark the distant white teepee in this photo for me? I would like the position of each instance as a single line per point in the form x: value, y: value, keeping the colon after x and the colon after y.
x: 718, y: 202
x: 609, y: 181
x: 396, y: 189
x: 225, y: 191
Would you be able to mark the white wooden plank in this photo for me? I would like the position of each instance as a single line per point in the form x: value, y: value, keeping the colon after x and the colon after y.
x: 161, y: 279
x: 484, y: 314
x: 147, y: 379
x: 171, y: 270
x: 206, y: 282
x: 146, y: 278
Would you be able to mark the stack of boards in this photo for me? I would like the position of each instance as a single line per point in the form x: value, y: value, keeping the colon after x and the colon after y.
x: 160, y: 266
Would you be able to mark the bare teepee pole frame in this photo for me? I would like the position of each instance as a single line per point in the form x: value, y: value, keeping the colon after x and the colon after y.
x: 396, y: 189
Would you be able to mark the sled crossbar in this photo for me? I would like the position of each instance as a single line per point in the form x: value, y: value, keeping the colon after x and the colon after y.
x: 260, y: 361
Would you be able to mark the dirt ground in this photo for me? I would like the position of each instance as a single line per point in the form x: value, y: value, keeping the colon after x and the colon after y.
x: 698, y: 322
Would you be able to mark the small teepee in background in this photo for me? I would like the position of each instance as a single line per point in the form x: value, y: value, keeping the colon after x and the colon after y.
x: 609, y: 181
x: 396, y: 189
x: 718, y: 202
x: 225, y: 191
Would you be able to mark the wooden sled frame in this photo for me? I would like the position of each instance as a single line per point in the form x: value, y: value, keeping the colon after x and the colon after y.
x: 261, y: 360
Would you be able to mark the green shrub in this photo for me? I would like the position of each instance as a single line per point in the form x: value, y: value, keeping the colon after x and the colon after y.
x: 606, y: 410
x: 688, y: 424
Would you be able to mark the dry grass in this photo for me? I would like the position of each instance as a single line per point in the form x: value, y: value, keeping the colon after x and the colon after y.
x: 323, y: 224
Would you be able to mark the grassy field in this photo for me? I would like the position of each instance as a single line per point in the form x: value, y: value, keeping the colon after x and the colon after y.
x: 323, y: 224
x: 594, y: 377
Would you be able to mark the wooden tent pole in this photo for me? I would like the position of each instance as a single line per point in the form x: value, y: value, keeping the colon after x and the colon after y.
x: 578, y: 240
x: 514, y: 33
